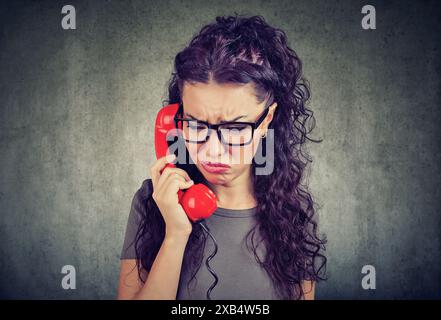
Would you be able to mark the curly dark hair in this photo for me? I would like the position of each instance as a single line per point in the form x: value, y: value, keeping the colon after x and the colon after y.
x: 239, y: 49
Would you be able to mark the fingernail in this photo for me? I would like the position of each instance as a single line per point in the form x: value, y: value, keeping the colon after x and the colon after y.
x: 171, y: 157
x: 190, y: 181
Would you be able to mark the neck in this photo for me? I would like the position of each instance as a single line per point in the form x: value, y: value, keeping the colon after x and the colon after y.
x: 237, y: 194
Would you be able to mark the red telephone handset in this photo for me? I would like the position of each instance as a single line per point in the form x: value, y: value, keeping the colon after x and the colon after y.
x: 198, y: 201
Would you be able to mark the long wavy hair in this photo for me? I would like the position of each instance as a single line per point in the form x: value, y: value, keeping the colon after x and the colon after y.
x: 239, y: 49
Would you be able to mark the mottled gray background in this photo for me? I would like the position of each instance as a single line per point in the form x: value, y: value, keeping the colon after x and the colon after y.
x: 77, y: 110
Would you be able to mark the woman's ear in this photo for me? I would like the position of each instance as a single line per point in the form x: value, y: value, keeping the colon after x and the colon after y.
x: 269, y: 116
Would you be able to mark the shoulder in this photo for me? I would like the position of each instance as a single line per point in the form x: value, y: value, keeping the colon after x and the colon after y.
x: 137, y: 214
x: 141, y: 195
x: 146, y: 189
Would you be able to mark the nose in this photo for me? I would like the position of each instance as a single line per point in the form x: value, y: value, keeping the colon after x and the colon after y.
x: 215, y: 148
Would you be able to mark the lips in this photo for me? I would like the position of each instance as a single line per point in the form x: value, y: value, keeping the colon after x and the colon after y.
x: 214, y: 167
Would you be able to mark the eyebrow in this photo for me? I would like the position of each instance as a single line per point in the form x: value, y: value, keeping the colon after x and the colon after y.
x: 222, y: 121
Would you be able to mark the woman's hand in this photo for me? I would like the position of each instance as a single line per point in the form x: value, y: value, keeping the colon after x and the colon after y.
x: 165, y: 194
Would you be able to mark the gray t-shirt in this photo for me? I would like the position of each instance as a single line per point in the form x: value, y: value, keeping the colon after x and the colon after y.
x: 240, y: 276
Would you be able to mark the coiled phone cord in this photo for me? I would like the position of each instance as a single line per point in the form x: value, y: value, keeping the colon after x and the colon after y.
x: 216, y: 279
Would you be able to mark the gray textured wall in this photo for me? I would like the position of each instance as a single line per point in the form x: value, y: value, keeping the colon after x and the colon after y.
x: 77, y: 109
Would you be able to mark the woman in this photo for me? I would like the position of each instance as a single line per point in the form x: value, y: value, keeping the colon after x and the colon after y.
x: 235, y: 70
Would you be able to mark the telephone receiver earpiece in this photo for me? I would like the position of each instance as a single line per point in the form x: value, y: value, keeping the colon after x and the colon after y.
x: 198, y: 201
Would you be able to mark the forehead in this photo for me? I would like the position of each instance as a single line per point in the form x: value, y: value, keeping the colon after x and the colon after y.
x: 214, y: 102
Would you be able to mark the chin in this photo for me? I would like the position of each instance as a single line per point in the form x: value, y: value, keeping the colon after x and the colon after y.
x: 217, y: 179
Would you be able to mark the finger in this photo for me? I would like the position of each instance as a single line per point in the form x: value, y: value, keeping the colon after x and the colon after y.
x: 169, y: 171
x: 178, y: 171
x: 163, y: 161
x: 167, y: 174
x: 159, y: 164
x: 174, y: 183
x: 155, y: 176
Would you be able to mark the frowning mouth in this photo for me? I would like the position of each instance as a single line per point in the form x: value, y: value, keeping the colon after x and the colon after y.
x: 215, y: 167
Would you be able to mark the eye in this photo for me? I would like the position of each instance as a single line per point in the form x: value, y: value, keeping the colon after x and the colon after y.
x: 236, y: 127
x: 195, y: 125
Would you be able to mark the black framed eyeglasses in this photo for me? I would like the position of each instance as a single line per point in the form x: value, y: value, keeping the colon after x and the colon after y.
x: 233, y: 133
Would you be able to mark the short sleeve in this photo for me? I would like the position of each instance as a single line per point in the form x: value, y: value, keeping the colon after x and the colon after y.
x: 136, y: 211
